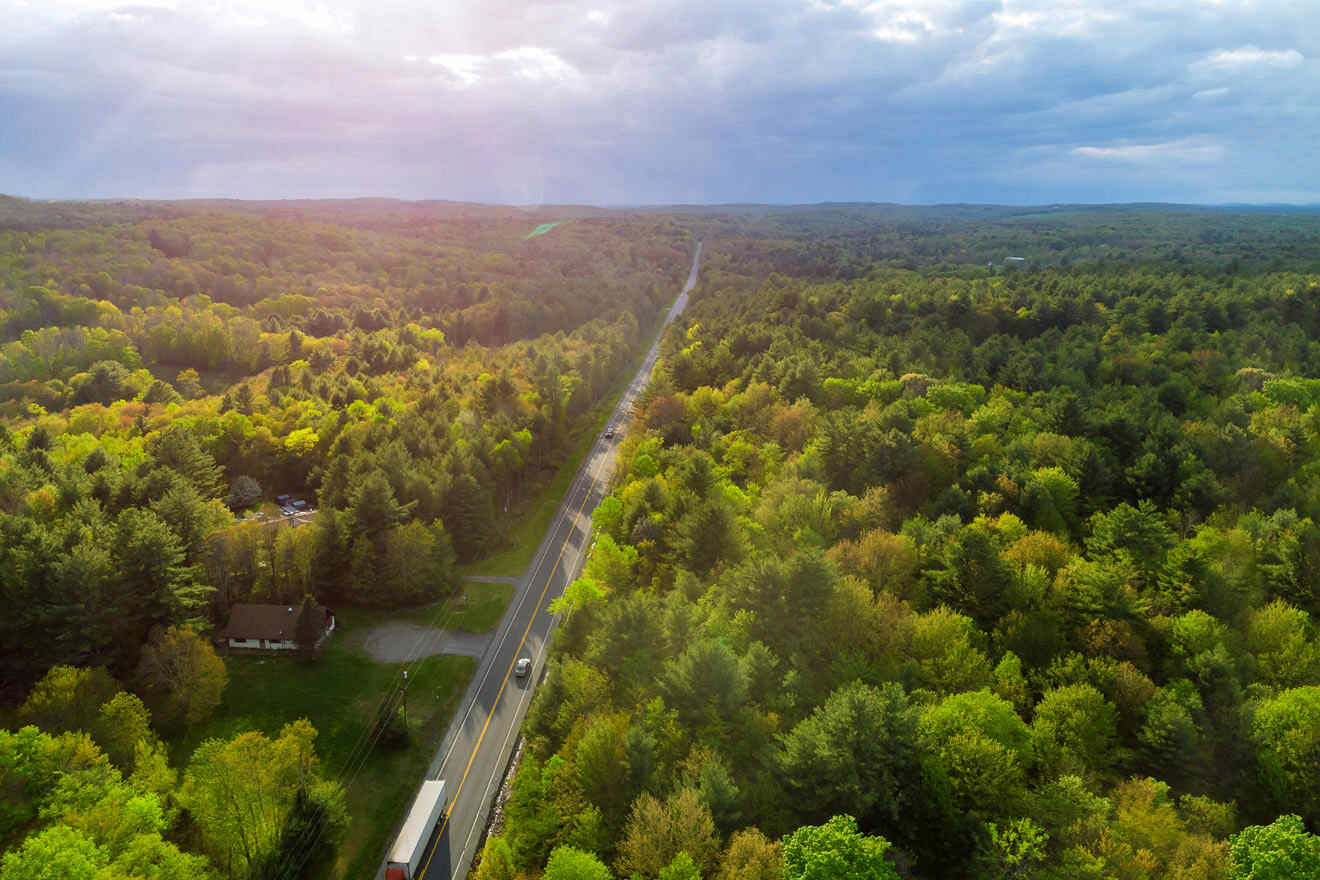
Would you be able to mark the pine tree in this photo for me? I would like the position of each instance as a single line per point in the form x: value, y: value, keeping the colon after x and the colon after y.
x: 308, y: 627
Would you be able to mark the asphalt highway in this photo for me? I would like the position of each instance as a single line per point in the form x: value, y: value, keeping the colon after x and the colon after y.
x: 480, y: 740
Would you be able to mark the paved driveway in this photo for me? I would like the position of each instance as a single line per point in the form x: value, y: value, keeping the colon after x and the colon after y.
x: 404, y: 642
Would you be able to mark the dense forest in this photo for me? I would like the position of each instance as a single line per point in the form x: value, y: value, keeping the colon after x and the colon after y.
x: 161, y: 376
x: 166, y: 371
x: 949, y: 573
x: 920, y: 561
x: 851, y: 240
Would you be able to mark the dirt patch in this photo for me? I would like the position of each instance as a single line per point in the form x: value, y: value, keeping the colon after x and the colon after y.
x: 403, y: 642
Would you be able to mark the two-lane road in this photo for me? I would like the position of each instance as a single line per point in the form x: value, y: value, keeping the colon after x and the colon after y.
x: 480, y: 740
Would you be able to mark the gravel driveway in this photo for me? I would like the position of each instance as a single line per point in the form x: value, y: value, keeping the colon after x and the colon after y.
x: 402, y: 642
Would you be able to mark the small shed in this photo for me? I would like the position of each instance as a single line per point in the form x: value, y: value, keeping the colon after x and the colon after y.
x: 269, y: 627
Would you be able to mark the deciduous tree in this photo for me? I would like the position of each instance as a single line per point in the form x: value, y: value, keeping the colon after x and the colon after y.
x: 568, y: 863
x: 1282, y: 850
x: 1286, y: 731
x: 751, y: 856
x: 68, y: 698
x: 836, y: 850
x: 181, y: 676
x: 658, y: 831
x: 240, y: 792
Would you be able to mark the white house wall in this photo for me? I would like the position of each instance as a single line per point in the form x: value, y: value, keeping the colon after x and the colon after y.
x: 285, y: 645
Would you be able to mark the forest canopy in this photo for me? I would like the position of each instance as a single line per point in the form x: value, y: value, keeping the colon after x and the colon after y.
x: 409, y: 375
x: 953, y: 572
x: 204, y: 404
x: 919, y: 561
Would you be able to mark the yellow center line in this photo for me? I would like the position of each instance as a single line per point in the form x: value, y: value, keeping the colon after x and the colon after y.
x: 535, y: 611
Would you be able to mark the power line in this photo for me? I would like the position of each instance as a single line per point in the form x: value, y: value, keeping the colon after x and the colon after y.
x: 296, y: 856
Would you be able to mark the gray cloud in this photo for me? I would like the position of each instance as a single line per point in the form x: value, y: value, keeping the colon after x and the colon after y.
x: 661, y: 100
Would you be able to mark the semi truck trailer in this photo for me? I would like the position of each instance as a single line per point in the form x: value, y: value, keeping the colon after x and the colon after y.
x: 410, y: 846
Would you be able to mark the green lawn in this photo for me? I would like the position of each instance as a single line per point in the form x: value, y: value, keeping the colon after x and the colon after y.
x: 339, y: 694
x: 484, y: 607
x: 477, y: 609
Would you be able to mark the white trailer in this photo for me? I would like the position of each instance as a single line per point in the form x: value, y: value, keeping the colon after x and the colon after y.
x: 410, y: 845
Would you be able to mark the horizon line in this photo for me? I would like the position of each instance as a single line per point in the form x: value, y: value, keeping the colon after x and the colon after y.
x: 635, y: 206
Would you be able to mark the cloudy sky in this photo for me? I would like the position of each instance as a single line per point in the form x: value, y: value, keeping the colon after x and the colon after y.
x: 663, y: 101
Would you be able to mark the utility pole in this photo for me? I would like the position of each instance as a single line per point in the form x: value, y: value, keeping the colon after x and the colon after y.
x: 405, y: 699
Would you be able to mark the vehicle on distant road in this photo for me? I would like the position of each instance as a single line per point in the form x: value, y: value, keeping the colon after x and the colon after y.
x: 609, y: 433
x: 410, y: 845
x: 522, y: 667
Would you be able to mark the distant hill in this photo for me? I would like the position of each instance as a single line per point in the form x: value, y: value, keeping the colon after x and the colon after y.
x: 844, y: 238
x: 20, y: 213
x: 376, y: 213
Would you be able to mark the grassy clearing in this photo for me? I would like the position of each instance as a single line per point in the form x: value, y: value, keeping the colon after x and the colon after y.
x: 339, y: 695
x: 477, y: 609
x: 542, y: 229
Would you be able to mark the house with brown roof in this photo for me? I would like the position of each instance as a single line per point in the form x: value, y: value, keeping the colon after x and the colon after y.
x: 269, y: 627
